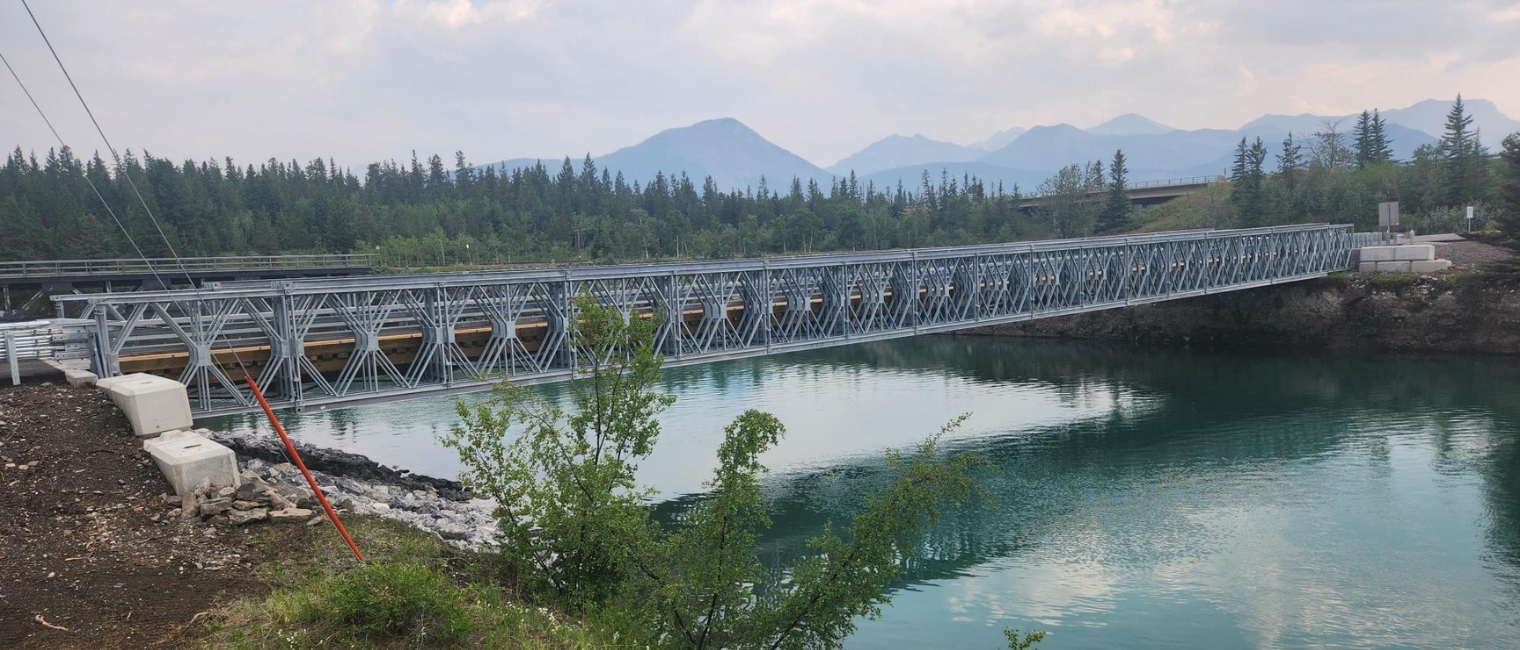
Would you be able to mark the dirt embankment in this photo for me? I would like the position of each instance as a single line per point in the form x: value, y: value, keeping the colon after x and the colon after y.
x: 1458, y: 313
x: 91, y: 554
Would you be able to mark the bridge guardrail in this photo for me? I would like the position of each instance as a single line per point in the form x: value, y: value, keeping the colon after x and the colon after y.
x: 1144, y: 185
x: 1365, y: 239
x: 169, y: 266
x: 49, y: 339
x: 1191, y: 180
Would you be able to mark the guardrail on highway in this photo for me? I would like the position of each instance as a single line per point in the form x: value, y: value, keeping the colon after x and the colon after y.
x: 168, y: 266
x: 1146, y: 185
x: 1170, y: 182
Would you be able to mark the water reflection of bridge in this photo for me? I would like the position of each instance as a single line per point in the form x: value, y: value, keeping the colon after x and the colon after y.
x: 347, y: 341
x: 1204, y: 420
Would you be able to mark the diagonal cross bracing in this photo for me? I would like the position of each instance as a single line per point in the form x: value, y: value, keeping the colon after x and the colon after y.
x: 332, y: 342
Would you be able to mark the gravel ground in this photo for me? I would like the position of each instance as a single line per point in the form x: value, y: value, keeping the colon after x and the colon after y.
x: 1471, y: 255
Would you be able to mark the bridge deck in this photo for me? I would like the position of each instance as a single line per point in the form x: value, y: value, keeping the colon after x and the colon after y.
x: 333, y: 342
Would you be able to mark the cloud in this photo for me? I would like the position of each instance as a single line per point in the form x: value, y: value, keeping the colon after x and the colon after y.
x: 454, y: 15
x: 368, y: 79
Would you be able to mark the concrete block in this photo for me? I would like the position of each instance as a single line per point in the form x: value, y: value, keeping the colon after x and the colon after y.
x: 190, y: 458
x: 151, y: 403
x: 1377, y: 253
x: 1430, y: 267
x: 1414, y: 253
x: 105, y: 383
x: 1393, y: 267
x: 77, y: 378
x: 174, y: 434
x: 1366, y: 267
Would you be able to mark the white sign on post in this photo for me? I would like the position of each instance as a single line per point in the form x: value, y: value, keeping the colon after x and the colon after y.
x: 1388, y: 214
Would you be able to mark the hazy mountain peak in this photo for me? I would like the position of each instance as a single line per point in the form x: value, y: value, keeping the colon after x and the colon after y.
x: 734, y: 155
x: 899, y: 150
x: 1130, y: 124
x: 1429, y: 116
x: 1000, y: 139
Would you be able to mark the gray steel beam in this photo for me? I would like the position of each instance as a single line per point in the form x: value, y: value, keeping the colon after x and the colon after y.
x: 709, y: 310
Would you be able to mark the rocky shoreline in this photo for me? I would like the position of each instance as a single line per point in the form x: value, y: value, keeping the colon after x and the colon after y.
x: 354, y: 483
x: 1466, y: 313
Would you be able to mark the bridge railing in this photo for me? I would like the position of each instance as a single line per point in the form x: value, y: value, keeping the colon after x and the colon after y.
x: 1170, y: 182
x: 172, y: 267
x: 332, y: 342
x: 58, y: 339
x: 1365, y: 239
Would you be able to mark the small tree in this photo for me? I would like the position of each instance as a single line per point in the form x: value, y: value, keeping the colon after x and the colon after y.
x: 1328, y: 149
x: 577, y: 525
x: 1115, y: 216
x: 566, y: 500
x: 1064, y: 204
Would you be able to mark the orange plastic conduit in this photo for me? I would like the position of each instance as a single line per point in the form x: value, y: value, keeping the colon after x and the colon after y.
x: 309, y: 480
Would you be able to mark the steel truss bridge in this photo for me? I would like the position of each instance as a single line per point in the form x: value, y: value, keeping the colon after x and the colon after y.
x: 334, y: 342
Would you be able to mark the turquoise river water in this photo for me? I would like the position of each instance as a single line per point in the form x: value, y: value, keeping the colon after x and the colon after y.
x: 1142, y: 499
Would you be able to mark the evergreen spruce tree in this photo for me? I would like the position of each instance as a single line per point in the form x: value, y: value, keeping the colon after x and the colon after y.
x: 1115, y: 216
x: 1382, y: 145
x: 1238, y: 168
x: 1457, y: 155
x: 1362, y: 137
x: 1509, y: 214
x: 1247, y: 178
x: 1291, y: 160
x: 1290, y: 167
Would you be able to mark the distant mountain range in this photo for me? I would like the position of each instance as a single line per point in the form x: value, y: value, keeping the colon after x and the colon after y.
x: 899, y: 151
x: 1130, y: 124
x: 736, y: 157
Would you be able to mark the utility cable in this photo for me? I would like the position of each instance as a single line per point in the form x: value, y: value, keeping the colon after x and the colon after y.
x: 114, y: 155
x: 126, y: 173
x: 252, y: 385
x: 87, y: 180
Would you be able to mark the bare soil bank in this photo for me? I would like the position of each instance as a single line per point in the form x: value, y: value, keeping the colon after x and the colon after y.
x: 1451, y: 313
x: 91, y: 555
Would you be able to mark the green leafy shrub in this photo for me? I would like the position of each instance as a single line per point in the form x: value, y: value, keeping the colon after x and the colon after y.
x: 392, y: 600
x: 574, y: 520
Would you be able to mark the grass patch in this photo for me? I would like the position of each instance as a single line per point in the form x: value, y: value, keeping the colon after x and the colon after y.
x: 1340, y: 279
x: 1208, y: 208
x: 1391, y: 280
x: 415, y: 592
x: 402, y: 600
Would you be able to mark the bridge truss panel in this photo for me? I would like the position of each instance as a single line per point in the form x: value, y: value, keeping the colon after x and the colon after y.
x: 332, y: 342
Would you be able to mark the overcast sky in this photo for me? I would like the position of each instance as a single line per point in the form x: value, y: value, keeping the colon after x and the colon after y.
x: 361, y: 80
